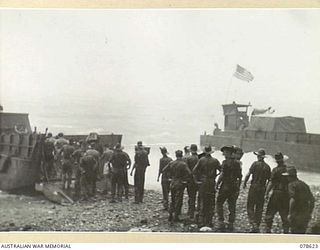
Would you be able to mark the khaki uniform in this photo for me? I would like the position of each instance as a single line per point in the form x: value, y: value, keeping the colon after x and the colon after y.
x: 96, y: 155
x: 87, y: 167
x: 192, y: 187
x: 48, y: 155
x: 279, y: 200
x: 179, y: 173
x: 67, y: 165
x: 77, y: 157
x: 206, y: 171
x: 165, y: 180
x: 105, y: 159
x: 119, y: 160
x: 303, y: 205
x: 229, y: 190
x: 261, y: 173
x: 141, y: 163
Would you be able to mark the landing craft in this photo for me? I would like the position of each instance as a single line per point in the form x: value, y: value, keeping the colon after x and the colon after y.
x: 21, y: 151
x: 286, y: 134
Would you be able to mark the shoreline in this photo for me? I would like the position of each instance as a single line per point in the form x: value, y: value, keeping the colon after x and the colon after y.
x: 37, y: 214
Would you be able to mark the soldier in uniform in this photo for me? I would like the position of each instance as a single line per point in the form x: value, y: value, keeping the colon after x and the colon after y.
x: 301, y: 202
x: 96, y: 154
x: 228, y: 185
x: 179, y: 174
x: 186, y: 150
x: 165, y: 182
x: 119, y: 161
x: 205, y: 173
x: 77, y: 154
x: 238, y: 154
x: 279, y: 200
x: 261, y: 173
x: 67, y: 164
x: 192, y: 188
x: 105, y: 159
x: 141, y: 162
x: 87, y: 169
x: 48, y: 155
x: 58, y: 144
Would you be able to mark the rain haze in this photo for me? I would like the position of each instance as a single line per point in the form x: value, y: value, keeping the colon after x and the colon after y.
x: 159, y: 76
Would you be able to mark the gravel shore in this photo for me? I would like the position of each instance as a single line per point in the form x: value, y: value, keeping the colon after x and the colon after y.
x: 36, y: 213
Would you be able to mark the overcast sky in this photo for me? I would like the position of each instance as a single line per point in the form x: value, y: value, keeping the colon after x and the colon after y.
x: 179, y: 59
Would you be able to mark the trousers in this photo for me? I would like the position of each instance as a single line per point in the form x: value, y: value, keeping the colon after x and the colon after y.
x: 165, y: 184
x: 279, y: 202
x: 255, y: 204
x: 206, y: 202
x: 192, y: 194
x: 139, y: 179
x: 229, y: 194
x: 177, y: 189
x: 66, y: 173
x: 299, y: 223
x: 117, y: 183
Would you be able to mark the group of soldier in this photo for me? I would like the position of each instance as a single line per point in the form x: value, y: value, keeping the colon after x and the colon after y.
x: 203, y: 176
x: 200, y: 174
x: 87, y: 161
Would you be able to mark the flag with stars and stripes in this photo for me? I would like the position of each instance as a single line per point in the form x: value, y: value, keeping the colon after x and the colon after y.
x: 243, y: 74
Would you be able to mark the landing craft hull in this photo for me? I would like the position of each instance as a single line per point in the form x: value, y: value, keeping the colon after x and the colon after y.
x: 104, y: 139
x: 20, y: 161
x: 20, y: 151
x: 19, y: 173
x: 303, y: 154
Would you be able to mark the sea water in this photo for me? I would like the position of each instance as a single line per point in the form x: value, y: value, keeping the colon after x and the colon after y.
x: 163, y: 122
x: 247, y: 160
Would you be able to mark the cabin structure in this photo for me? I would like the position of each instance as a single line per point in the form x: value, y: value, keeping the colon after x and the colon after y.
x: 286, y: 134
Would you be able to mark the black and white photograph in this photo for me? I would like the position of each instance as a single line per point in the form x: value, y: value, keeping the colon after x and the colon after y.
x: 160, y: 120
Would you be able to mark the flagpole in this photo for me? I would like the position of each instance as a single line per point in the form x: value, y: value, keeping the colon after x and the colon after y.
x: 228, y: 89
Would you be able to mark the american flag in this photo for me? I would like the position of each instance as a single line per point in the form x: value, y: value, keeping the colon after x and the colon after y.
x: 243, y: 74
